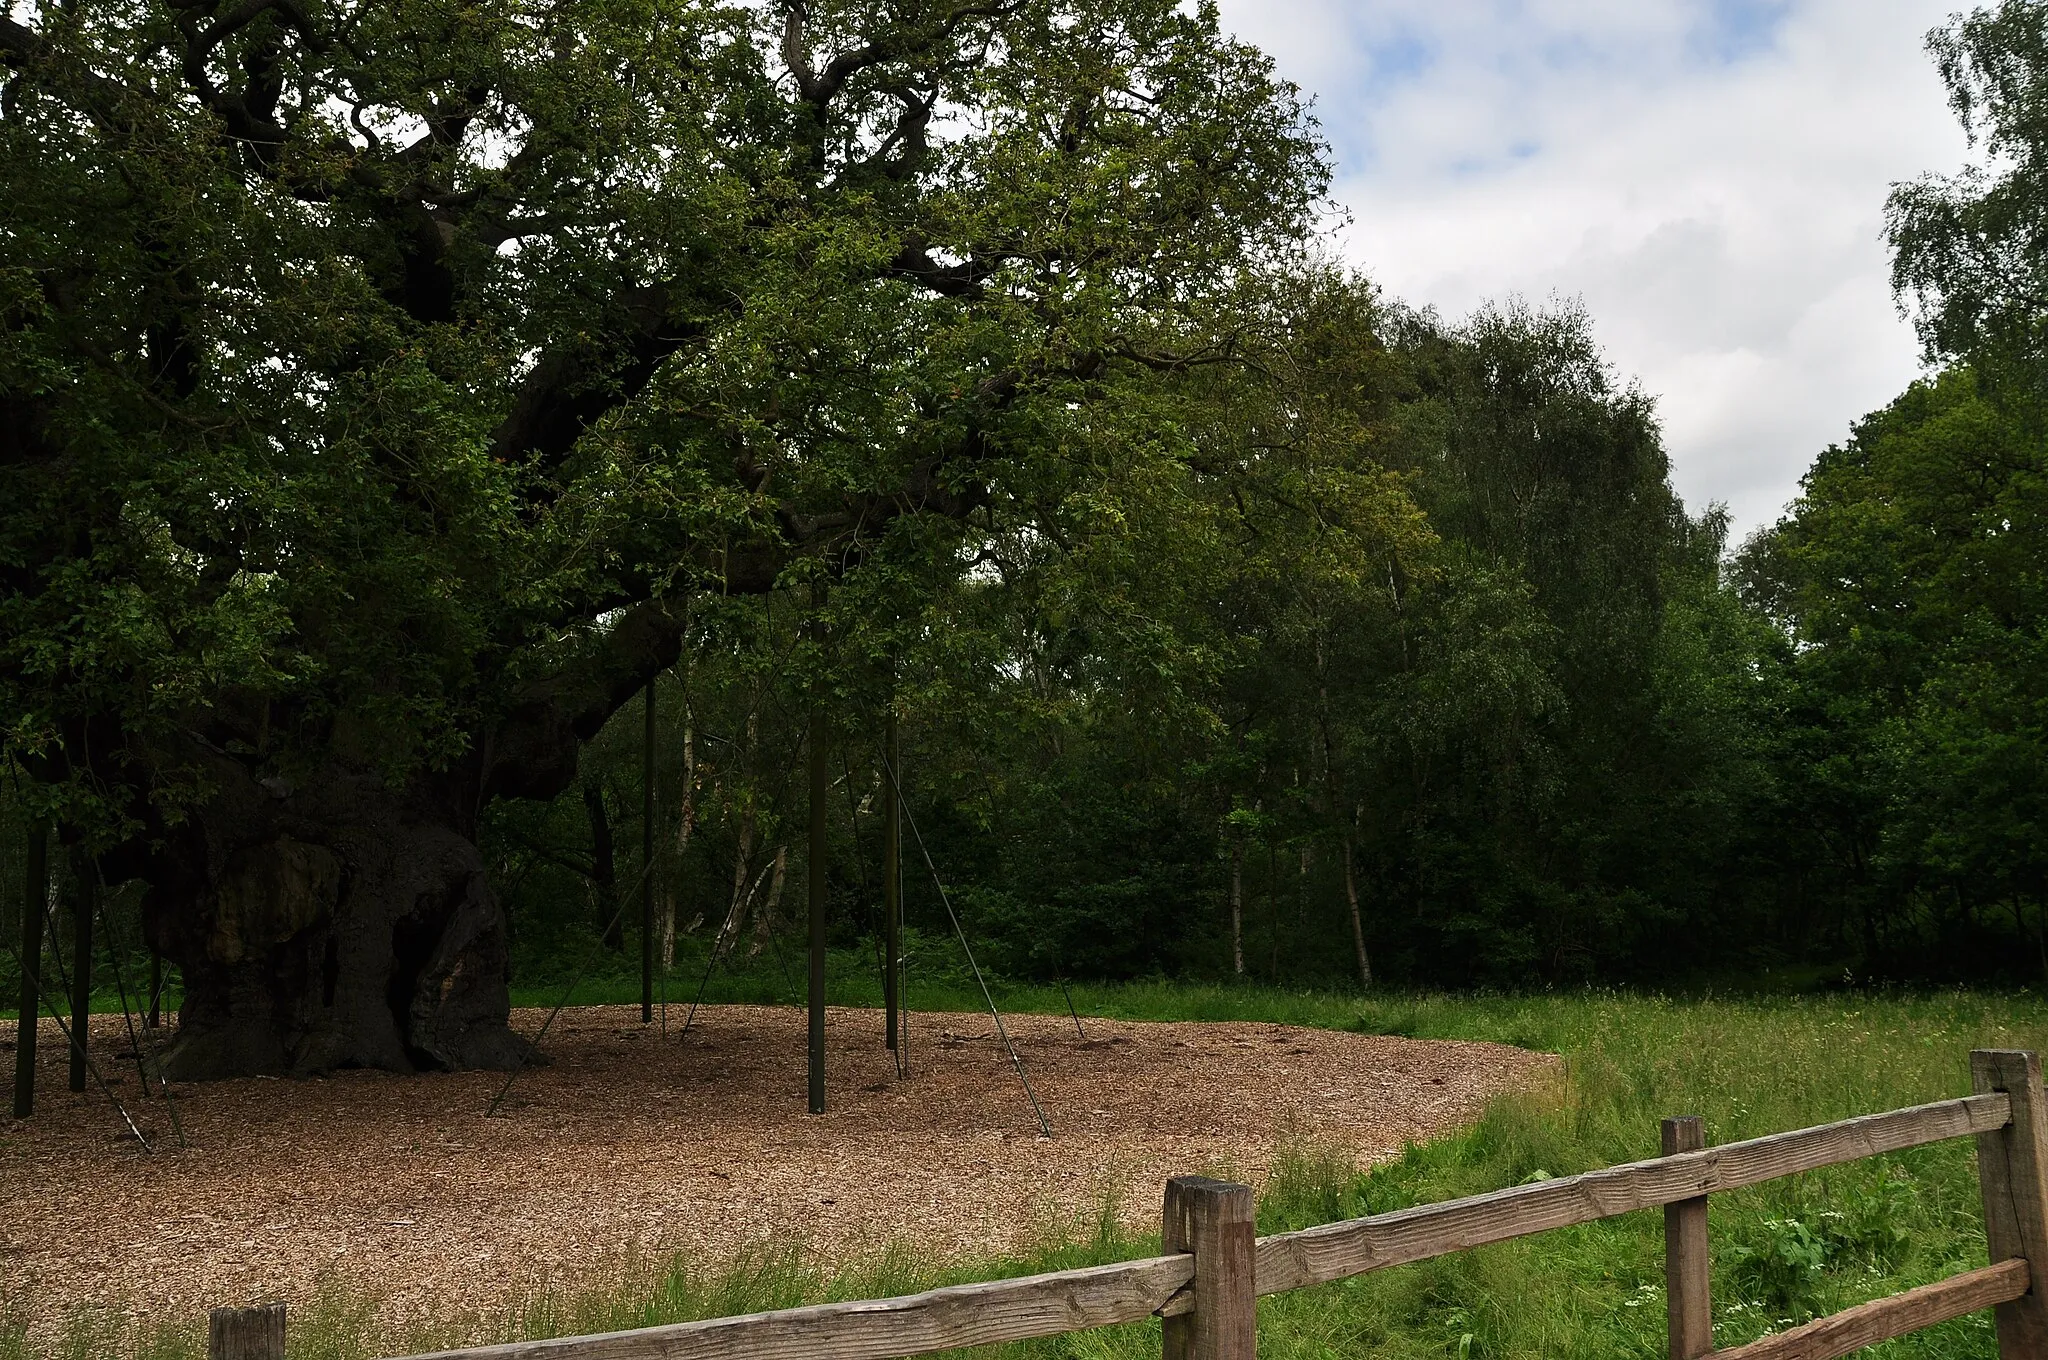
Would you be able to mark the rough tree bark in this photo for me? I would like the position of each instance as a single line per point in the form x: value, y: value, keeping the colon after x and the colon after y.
x: 335, y: 921
x: 686, y: 823
x: 330, y: 925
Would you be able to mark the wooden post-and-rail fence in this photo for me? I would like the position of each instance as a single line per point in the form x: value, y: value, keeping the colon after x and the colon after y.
x: 1207, y: 1285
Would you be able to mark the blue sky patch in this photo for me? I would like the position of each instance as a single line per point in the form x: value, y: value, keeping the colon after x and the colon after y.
x: 1403, y: 56
x: 1730, y: 31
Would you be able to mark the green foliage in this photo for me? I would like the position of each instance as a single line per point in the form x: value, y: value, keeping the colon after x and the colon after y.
x: 360, y: 363
x: 1964, y: 245
x: 1237, y: 619
x: 1917, y: 731
x: 1782, y: 1265
x: 1906, y: 578
x: 1301, y: 641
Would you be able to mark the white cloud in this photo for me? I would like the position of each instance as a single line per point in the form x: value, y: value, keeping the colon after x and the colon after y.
x: 1709, y: 175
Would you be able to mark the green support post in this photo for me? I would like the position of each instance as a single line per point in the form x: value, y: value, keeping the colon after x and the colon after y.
x: 821, y: 788
x: 34, y: 893
x: 892, y: 881
x: 647, y: 865
x: 81, y: 969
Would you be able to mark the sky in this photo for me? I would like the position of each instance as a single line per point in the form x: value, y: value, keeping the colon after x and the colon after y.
x: 1707, y: 176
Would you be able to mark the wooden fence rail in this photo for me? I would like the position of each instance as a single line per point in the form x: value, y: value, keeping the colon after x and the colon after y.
x: 1207, y: 1285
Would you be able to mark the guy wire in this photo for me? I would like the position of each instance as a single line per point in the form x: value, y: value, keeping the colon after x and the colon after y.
x: 1044, y: 1128
x: 574, y: 982
x: 71, y: 1040
x: 134, y: 1041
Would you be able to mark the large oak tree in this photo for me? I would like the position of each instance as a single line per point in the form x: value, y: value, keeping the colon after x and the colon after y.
x: 381, y: 382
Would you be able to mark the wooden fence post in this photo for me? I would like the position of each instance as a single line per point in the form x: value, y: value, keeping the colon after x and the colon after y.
x: 2012, y: 1171
x: 1688, y: 1291
x: 1215, y: 1221
x: 246, y: 1333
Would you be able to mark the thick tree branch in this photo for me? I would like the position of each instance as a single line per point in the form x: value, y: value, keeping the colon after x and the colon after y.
x: 904, y: 148
x: 570, y: 389
x: 915, y: 263
x: 241, y: 16
x: 796, y: 12
x: 19, y: 44
x: 533, y: 753
x: 827, y: 84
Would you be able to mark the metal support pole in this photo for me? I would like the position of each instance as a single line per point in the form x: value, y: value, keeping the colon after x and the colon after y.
x: 821, y: 788
x: 34, y: 893
x: 647, y: 865
x: 892, y: 881
x: 81, y: 969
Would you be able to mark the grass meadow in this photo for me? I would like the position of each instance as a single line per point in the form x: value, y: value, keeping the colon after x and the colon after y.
x: 1783, y: 1252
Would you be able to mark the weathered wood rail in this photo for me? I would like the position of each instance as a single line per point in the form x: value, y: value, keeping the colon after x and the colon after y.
x: 1207, y: 1285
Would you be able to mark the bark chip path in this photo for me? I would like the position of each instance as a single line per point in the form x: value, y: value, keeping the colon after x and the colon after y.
x: 397, y: 1189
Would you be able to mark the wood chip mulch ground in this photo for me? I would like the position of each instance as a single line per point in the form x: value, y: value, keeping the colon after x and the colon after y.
x: 400, y: 1189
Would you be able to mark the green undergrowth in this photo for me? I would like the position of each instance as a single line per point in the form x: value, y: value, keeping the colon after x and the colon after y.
x: 1783, y: 1253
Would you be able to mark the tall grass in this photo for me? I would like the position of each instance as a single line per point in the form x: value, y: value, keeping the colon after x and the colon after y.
x: 1782, y: 1252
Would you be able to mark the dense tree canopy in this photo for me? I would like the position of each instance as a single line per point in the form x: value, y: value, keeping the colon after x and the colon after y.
x: 380, y: 383
x: 1910, y: 576
x: 389, y: 393
x: 357, y: 361
x: 1325, y: 700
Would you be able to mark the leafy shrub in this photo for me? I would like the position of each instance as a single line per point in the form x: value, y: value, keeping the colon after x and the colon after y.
x: 1870, y: 1227
x: 1783, y: 1262
x: 1780, y: 1263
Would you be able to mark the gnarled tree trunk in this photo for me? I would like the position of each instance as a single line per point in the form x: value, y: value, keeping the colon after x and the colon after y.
x: 337, y: 921
x: 335, y: 924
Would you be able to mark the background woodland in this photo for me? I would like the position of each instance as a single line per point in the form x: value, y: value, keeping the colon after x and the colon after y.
x: 401, y: 400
